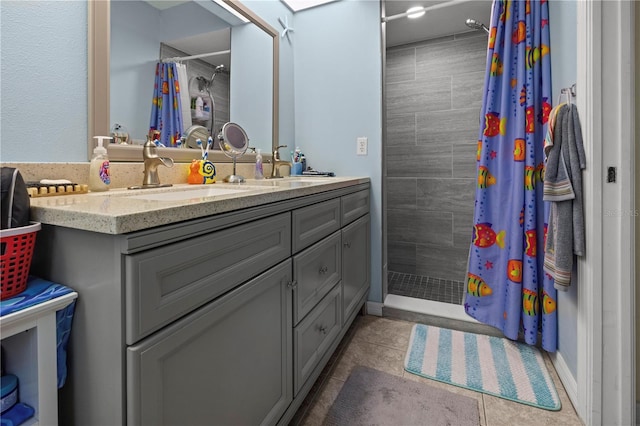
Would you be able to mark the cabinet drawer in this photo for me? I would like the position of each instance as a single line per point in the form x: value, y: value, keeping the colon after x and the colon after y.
x: 354, y: 206
x: 315, y: 270
x: 165, y: 283
x: 313, y: 223
x: 314, y: 335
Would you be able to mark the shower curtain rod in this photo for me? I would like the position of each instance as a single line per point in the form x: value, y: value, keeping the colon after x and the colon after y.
x: 425, y: 9
x: 201, y: 55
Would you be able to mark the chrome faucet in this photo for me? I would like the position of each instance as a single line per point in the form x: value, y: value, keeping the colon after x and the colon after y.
x: 151, y: 163
x: 276, y: 162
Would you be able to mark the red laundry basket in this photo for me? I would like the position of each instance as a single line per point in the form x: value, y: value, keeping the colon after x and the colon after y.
x: 16, y: 252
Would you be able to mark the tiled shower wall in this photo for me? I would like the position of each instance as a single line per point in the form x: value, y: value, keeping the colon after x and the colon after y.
x: 434, y: 96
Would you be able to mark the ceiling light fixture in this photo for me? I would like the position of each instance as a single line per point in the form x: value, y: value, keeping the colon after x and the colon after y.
x: 418, y: 11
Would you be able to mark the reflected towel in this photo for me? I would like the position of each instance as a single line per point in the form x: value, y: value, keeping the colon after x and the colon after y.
x: 183, y: 81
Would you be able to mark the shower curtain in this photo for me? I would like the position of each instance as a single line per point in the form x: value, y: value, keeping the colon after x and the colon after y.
x: 505, y: 284
x: 166, y: 109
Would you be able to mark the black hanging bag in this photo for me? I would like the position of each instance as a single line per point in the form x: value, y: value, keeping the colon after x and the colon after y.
x: 14, y: 204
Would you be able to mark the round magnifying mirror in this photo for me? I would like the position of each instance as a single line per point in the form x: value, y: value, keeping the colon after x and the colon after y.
x: 233, y: 142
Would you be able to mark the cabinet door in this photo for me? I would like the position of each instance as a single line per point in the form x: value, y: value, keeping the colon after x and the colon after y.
x: 230, y: 362
x: 356, y: 248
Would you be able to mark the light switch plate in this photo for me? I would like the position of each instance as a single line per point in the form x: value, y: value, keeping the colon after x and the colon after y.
x: 361, y: 144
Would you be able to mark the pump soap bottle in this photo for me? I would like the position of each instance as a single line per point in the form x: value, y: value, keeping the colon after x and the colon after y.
x: 259, y: 172
x: 99, y: 178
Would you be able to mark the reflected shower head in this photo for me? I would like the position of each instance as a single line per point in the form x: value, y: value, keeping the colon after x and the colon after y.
x: 221, y: 69
x: 472, y: 23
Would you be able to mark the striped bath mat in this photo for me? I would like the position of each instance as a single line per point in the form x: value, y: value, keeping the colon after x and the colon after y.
x: 487, y: 364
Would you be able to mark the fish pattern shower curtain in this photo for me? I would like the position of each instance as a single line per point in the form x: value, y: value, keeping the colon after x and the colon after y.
x: 166, y: 108
x: 506, y: 286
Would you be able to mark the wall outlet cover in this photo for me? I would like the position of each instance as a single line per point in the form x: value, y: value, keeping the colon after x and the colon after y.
x: 361, y: 146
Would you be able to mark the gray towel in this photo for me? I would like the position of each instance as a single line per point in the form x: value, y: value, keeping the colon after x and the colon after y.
x: 563, y: 188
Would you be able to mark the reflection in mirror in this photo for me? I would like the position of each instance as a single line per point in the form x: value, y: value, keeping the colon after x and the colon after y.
x: 215, y: 93
x: 233, y: 142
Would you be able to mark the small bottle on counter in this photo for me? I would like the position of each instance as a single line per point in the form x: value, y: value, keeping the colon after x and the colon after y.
x: 99, y: 174
x: 259, y: 173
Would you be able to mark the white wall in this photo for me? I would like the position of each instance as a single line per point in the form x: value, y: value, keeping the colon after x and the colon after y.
x: 43, y: 111
x: 338, y: 97
x: 563, y: 21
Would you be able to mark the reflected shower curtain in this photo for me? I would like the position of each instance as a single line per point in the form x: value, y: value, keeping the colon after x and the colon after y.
x: 506, y: 286
x: 166, y: 111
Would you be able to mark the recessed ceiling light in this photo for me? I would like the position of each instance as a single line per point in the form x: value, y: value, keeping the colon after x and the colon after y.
x: 415, y: 12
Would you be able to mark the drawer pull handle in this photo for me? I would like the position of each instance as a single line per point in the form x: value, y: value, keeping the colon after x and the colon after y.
x: 323, y: 269
x: 347, y: 244
x: 292, y: 284
x: 323, y: 329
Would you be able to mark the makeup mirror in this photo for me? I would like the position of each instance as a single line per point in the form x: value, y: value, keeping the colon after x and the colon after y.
x: 233, y: 142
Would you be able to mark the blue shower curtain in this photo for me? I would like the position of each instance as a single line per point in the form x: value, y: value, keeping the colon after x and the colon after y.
x: 506, y: 285
x: 166, y: 111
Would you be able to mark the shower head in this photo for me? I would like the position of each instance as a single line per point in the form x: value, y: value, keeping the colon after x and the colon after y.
x: 472, y: 23
x: 221, y: 69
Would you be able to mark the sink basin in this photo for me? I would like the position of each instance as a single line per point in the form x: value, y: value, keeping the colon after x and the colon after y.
x: 187, y: 194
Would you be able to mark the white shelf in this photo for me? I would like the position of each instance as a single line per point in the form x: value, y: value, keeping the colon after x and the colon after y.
x: 29, y: 343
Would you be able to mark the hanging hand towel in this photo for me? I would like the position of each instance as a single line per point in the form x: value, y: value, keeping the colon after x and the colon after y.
x: 563, y: 187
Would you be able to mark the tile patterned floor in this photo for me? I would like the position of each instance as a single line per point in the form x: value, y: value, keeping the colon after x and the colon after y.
x: 381, y: 343
x: 429, y: 288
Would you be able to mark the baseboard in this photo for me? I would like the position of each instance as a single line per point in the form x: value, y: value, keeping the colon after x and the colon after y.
x: 374, y: 308
x: 567, y: 379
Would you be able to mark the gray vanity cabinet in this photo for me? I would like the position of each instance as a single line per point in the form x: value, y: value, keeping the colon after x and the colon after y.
x: 228, y: 362
x: 219, y: 320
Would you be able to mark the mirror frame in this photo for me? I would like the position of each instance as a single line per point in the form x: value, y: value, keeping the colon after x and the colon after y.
x: 99, y: 38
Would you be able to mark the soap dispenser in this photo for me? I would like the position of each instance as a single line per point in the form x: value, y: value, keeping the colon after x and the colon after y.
x: 99, y: 178
x: 259, y: 172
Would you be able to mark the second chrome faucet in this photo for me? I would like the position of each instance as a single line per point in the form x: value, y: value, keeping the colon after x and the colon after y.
x: 276, y: 162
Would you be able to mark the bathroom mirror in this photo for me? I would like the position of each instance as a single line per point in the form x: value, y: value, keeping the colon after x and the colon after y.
x: 233, y: 142
x: 99, y: 82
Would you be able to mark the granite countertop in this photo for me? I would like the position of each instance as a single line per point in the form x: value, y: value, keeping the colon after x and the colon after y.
x: 119, y: 211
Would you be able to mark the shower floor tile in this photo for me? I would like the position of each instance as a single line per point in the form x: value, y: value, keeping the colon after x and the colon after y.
x: 428, y: 288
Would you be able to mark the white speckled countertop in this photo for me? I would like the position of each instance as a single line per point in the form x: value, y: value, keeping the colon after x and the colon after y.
x: 120, y: 211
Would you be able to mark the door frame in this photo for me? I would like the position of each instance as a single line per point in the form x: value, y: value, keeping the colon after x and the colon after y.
x: 605, y: 86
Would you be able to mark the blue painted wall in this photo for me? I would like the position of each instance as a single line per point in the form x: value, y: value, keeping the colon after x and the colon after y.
x: 43, y: 112
x: 562, y: 21
x: 338, y: 97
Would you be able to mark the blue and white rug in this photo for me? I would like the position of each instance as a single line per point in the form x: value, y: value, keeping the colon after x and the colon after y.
x: 487, y: 364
